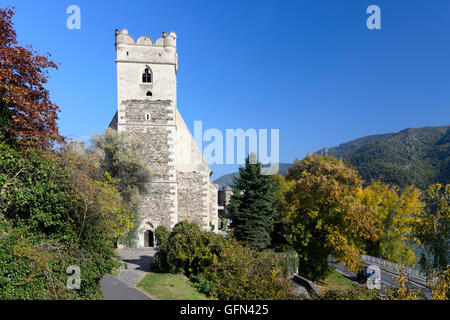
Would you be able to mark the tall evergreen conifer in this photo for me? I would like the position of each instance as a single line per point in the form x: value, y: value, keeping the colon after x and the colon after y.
x: 252, y: 219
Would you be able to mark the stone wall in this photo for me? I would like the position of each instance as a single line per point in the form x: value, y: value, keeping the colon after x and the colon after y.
x: 156, y: 134
x: 191, y: 198
x: 213, y: 206
x: 151, y: 123
x: 158, y: 204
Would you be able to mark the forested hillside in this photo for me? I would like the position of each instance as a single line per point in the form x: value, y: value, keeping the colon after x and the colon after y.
x: 418, y: 157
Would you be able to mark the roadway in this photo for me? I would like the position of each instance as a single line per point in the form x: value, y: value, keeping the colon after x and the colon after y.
x: 387, y: 279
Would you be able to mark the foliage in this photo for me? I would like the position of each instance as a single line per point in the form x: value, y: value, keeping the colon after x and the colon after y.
x: 224, y: 224
x: 55, y: 215
x: 36, y: 192
x: 240, y: 273
x: 433, y: 229
x: 34, y: 268
x: 27, y: 114
x: 397, y: 212
x: 356, y: 292
x: 130, y: 237
x: 280, y: 187
x: 162, y: 235
x: 326, y: 216
x: 221, y: 267
x: 288, y: 261
x: 123, y: 159
x: 418, y: 157
x: 188, y: 249
x: 439, y: 283
x: 253, y: 216
x: 101, y: 200
x: 404, y: 290
x: 117, y: 155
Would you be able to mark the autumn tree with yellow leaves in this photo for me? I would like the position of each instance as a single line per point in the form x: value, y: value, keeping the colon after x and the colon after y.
x: 398, y: 212
x: 326, y: 216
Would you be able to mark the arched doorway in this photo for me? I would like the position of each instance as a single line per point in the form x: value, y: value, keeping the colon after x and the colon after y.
x: 146, y: 234
x: 149, y: 237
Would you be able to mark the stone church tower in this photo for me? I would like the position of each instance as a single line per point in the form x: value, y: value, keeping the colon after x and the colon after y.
x: 181, y: 188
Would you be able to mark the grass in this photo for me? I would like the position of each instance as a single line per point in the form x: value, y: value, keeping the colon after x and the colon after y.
x: 335, y: 281
x: 165, y: 286
x: 115, y: 273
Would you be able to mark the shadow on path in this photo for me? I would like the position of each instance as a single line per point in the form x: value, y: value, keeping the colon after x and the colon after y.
x: 138, y: 262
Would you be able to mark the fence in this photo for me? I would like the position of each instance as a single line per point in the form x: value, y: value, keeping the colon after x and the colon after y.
x: 394, y: 267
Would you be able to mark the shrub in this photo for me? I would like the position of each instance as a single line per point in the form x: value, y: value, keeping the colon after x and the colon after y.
x: 221, y: 267
x: 34, y: 267
x: 357, y: 292
x: 241, y: 273
x: 162, y: 235
x: 202, y: 284
x: 188, y: 249
x: 288, y: 261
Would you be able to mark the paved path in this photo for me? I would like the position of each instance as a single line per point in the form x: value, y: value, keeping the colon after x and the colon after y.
x: 114, y: 289
x: 138, y: 263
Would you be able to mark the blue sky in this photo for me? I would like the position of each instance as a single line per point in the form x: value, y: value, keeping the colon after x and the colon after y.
x: 310, y: 68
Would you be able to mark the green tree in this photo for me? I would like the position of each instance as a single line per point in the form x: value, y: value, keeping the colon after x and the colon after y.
x: 280, y: 187
x: 122, y: 158
x: 253, y: 217
x: 326, y: 216
x: 397, y: 210
x: 433, y: 229
x: 52, y: 215
x: 120, y: 155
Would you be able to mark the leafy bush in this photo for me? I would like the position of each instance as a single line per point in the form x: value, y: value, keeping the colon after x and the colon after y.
x: 34, y: 267
x: 202, y: 284
x: 288, y: 261
x: 188, y: 249
x: 222, y: 267
x: 240, y: 273
x: 36, y: 192
x: 129, y: 239
x: 161, y: 235
x: 357, y: 292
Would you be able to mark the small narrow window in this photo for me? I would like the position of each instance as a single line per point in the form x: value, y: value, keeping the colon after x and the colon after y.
x: 147, y: 76
x: 147, y: 116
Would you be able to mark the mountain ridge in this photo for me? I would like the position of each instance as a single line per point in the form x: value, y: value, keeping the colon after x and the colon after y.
x: 413, y: 156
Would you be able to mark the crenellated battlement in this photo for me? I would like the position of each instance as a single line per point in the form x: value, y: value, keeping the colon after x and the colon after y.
x: 167, y: 40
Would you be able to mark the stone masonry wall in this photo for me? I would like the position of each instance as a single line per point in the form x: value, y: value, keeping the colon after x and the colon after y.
x: 152, y: 123
x: 191, y: 198
x: 213, y: 205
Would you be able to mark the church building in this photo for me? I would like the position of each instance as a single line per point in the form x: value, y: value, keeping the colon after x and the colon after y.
x: 181, y: 188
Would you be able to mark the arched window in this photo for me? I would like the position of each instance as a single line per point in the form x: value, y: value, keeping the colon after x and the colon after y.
x: 147, y: 76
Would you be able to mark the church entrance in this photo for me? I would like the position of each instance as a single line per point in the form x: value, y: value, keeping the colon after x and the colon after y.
x: 148, y: 239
